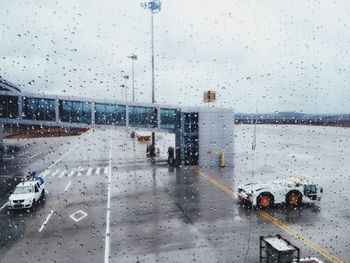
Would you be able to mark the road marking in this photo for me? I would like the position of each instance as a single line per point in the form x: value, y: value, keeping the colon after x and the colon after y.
x: 8, y: 157
x: 300, y: 237
x: 67, y: 186
x: 217, y: 184
x: 54, y: 173
x: 59, y: 159
x: 34, y: 155
x: 3, y: 206
x: 45, y: 173
x: 71, y: 173
x: 332, y: 258
x: 98, y: 170
x: 64, y: 172
x: 6, y: 175
x: 89, y: 171
x: 78, y: 215
x: 80, y: 171
x: 107, y: 239
x: 106, y: 170
x: 45, y: 222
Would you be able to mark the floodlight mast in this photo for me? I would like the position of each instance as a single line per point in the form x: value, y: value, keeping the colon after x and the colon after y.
x: 133, y: 57
x: 125, y: 86
x: 154, y: 6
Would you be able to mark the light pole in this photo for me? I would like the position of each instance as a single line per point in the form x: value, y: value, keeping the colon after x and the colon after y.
x: 154, y: 7
x: 125, y: 77
x: 133, y: 57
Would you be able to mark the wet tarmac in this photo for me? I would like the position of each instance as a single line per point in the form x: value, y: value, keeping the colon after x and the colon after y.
x: 107, y: 203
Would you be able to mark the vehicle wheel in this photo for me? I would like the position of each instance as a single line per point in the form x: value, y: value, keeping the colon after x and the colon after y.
x: 293, y: 198
x: 265, y: 200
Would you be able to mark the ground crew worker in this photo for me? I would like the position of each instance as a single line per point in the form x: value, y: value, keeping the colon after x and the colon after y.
x: 222, y: 159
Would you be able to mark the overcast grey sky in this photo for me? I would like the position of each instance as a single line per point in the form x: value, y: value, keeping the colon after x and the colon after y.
x: 292, y: 55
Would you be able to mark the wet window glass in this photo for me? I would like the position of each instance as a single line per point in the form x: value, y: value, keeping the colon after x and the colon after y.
x: 75, y: 111
x: 142, y: 117
x: 109, y: 114
x: 9, y: 107
x: 39, y: 109
x: 168, y: 118
x: 175, y: 131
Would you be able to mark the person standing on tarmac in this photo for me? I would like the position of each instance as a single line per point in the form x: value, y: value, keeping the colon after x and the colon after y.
x: 32, y: 175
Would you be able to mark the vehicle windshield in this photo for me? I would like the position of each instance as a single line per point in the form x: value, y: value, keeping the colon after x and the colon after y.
x: 311, y: 189
x: 23, y: 190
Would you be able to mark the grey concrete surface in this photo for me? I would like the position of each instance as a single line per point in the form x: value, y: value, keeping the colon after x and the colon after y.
x: 159, y: 214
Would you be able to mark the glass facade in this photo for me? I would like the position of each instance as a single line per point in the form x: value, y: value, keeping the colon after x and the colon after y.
x: 108, y: 114
x: 145, y: 117
x: 168, y: 119
x: 75, y: 111
x: 190, y: 143
x: 39, y: 109
x: 8, y: 107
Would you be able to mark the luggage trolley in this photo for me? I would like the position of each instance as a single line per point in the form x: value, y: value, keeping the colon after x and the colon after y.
x: 276, y: 249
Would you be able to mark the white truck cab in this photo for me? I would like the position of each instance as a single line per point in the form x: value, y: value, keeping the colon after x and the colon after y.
x: 292, y: 191
x: 26, y: 194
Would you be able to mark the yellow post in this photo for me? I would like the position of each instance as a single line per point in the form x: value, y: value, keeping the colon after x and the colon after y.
x: 222, y: 159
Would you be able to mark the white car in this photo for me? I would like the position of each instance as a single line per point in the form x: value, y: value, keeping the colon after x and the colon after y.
x: 292, y: 191
x: 26, y: 194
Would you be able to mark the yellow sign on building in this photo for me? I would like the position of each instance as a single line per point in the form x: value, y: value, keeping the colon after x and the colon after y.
x: 209, y: 96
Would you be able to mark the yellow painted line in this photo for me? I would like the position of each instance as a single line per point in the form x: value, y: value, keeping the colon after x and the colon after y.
x: 332, y: 258
x: 300, y: 237
x: 216, y: 183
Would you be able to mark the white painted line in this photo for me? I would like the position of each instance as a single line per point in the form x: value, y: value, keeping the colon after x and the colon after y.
x: 45, y: 173
x: 80, y: 171
x: 85, y: 158
x: 54, y: 173
x: 64, y: 172
x: 89, y: 171
x: 67, y: 186
x: 106, y: 170
x: 3, y: 206
x: 108, y: 234
x: 34, y: 155
x: 59, y: 159
x: 78, y: 215
x: 71, y: 173
x: 8, y: 157
x: 45, y: 222
x: 6, y: 175
x: 98, y: 170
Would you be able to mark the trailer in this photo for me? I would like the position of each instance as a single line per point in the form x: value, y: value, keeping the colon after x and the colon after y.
x: 275, y: 249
